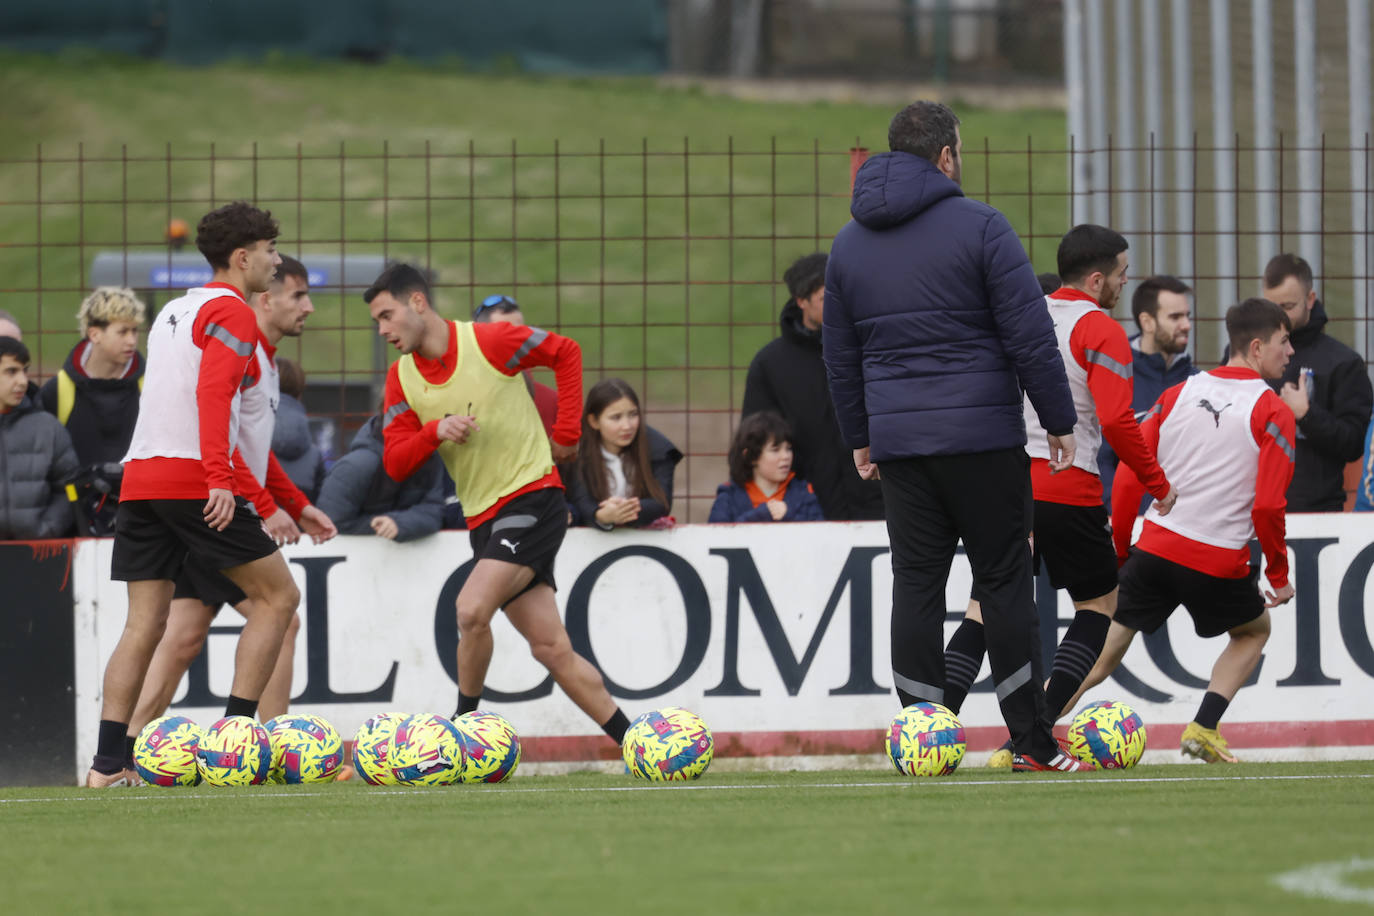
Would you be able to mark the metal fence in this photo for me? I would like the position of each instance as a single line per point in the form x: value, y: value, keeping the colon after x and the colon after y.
x: 662, y: 260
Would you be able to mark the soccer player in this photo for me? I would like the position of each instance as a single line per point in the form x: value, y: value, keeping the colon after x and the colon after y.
x: 200, y: 592
x: 1226, y: 440
x: 178, y: 496
x: 1072, y: 538
x: 458, y: 389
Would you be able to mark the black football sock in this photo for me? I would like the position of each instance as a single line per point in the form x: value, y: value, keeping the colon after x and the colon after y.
x: 109, y: 747
x: 616, y: 726
x: 129, y: 751
x: 238, y: 706
x: 1075, y: 657
x: 1212, y: 709
x: 466, y: 704
x: 963, y: 659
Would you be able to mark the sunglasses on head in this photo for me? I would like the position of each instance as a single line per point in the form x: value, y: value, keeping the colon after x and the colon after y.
x: 502, y: 302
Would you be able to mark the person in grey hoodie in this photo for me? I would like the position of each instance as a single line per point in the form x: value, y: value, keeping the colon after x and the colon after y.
x: 292, y: 442
x: 36, y: 456
x: 361, y: 499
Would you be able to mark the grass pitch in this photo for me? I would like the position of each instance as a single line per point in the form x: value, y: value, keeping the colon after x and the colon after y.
x: 1155, y: 839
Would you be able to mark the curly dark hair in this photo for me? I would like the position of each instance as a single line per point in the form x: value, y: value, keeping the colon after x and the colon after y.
x: 233, y: 226
x: 754, y: 433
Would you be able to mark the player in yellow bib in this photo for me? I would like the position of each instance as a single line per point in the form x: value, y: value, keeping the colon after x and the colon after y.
x: 458, y: 390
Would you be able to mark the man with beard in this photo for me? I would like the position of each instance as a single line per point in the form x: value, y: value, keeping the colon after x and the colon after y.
x: 1072, y: 537
x: 1160, y: 356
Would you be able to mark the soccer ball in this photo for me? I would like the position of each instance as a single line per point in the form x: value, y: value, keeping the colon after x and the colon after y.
x: 165, y: 752
x: 427, y: 750
x: 490, y: 746
x: 235, y: 751
x: 372, y: 748
x: 926, y: 739
x: 305, y: 748
x: 668, y: 744
x: 1108, y: 735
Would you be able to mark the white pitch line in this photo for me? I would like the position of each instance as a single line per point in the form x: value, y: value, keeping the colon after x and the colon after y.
x: 118, y: 795
x: 1327, y: 881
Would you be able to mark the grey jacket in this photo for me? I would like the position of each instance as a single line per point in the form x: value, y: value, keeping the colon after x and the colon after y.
x: 295, y: 449
x: 357, y: 490
x: 36, y: 457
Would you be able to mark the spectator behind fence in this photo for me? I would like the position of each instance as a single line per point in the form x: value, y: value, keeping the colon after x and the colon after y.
x: 1159, y: 357
x: 623, y: 473
x: 360, y: 498
x: 1364, y: 492
x: 36, y: 456
x: 504, y: 308
x: 787, y: 376
x: 1049, y: 282
x: 1326, y: 385
x: 763, y: 487
x: 95, y: 396
x: 292, y: 441
x: 9, y: 327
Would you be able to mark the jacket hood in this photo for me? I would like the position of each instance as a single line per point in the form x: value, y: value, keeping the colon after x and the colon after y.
x: 1316, y: 324
x: 891, y: 188
x: 291, y: 436
x: 132, y: 373
x: 369, y: 437
x: 28, y: 405
x: 794, y: 327
x: 661, y: 448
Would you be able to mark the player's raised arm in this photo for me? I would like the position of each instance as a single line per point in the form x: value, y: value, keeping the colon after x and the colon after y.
x: 407, y: 443
x: 513, y: 348
x: 1273, y: 426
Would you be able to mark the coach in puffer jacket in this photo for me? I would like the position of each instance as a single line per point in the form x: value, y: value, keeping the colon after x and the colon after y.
x: 357, y: 490
x: 36, y: 456
x: 934, y: 321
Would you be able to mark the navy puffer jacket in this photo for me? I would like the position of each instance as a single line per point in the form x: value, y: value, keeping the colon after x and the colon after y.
x: 36, y: 457
x: 934, y: 321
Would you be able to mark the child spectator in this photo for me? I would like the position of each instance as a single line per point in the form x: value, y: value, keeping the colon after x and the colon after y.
x: 360, y: 498
x: 623, y: 473
x: 292, y: 441
x: 36, y: 456
x: 762, y: 486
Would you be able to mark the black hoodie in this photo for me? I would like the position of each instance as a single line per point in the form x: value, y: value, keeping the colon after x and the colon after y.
x: 1331, y: 435
x: 104, y: 411
x: 788, y: 376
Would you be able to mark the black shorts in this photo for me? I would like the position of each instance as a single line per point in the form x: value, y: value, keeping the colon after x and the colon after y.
x: 1075, y: 545
x: 208, y: 586
x: 528, y: 530
x: 1153, y: 587
x: 153, y: 538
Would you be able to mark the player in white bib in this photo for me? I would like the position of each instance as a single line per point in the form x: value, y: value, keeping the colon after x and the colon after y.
x: 1226, y: 441
x: 200, y: 592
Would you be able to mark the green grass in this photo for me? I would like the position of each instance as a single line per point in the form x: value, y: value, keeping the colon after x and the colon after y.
x: 498, y: 182
x: 1155, y: 839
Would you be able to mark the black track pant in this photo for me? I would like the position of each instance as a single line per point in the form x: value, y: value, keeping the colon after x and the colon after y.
x: 984, y: 499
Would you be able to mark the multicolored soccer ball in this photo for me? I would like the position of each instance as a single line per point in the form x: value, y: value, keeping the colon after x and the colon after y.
x: 427, y: 750
x: 305, y: 748
x: 372, y: 748
x: 235, y: 752
x: 667, y: 745
x: 1108, y: 734
x: 926, y: 739
x: 165, y: 752
x: 490, y: 746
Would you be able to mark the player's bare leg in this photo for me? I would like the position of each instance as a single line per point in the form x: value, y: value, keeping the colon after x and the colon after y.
x: 489, y: 585
x: 188, y: 623
x: 124, y: 673
x: 276, y: 696
x: 149, y: 601
x: 272, y: 601
x: 1201, y: 737
x: 535, y: 615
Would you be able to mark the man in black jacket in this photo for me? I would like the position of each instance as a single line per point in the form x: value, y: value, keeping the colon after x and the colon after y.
x: 1327, y: 387
x: 787, y: 376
